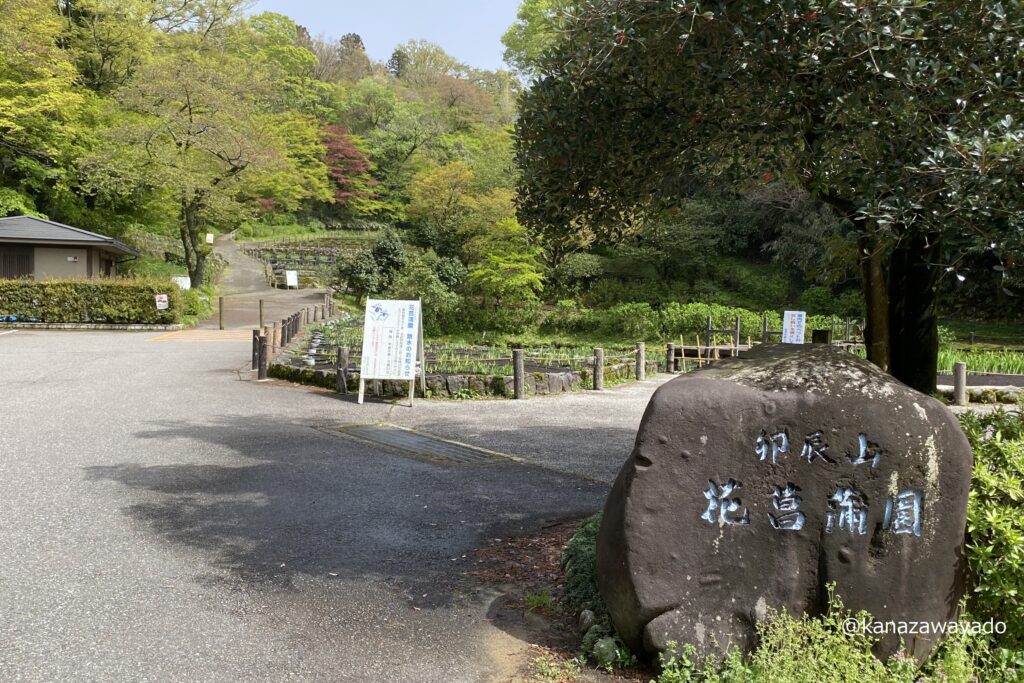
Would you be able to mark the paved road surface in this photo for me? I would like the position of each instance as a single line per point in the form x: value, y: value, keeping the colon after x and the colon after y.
x: 244, y: 284
x: 166, y: 519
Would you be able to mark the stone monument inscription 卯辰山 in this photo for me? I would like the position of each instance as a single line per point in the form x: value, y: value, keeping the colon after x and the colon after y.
x: 757, y: 482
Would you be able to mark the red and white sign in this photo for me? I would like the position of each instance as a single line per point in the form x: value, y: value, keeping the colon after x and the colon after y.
x: 793, y: 324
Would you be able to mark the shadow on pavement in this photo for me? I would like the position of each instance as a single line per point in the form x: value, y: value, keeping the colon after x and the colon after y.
x: 289, y: 499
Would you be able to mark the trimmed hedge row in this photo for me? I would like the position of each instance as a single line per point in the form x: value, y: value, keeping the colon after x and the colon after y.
x: 669, y: 322
x: 90, y: 301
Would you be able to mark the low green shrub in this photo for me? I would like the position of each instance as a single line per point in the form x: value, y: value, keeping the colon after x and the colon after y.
x: 689, y: 320
x: 579, y: 564
x: 630, y: 322
x: 90, y: 301
x: 568, y: 317
x: 197, y: 303
x: 995, y: 526
x: 576, y: 273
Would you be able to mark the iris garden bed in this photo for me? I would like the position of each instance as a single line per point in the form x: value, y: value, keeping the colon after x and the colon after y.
x: 452, y: 371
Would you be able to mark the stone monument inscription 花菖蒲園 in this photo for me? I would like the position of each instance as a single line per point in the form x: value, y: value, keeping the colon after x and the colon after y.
x: 760, y: 480
x: 847, y: 508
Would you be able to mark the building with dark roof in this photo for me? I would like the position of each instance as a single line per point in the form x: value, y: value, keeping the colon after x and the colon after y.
x: 40, y: 249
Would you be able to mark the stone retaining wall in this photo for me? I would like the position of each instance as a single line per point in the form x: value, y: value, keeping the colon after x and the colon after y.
x: 462, y: 385
x: 439, y: 386
x: 990, y: 395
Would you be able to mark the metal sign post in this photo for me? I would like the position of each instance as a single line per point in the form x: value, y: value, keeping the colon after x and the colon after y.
x: 392, y: 344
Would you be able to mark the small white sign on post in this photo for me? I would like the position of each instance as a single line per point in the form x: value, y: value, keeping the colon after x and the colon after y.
x: 392, y: 343
x: 162, y: 304
x: 209, y: 238
x: 793, y: 324
x: 291, y: 279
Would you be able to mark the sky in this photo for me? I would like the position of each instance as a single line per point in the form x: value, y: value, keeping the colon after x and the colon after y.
x: 469, y: 30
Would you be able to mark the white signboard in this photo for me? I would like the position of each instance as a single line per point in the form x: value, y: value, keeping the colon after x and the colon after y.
x: 391, y: 339
x: 162, y: 304
x: 793, y: 324
x: 183, y: 281
x: 291, y: 278
x: 209, y: 238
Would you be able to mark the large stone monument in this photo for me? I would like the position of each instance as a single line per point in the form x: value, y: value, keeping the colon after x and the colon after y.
x: 758, y: 481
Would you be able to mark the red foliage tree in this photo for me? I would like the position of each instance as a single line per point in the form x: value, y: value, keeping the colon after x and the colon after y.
x: 347, y: 165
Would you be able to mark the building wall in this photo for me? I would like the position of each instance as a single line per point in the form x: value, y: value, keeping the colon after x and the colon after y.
x: 52, y: 262
x: 102, y: 259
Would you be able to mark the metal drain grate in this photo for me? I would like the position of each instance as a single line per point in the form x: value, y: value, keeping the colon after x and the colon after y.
x: 420, y: 444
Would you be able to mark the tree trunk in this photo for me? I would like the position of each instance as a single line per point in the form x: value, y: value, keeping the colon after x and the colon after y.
x: 876, y: 300
x: 913, y: 318
x: 195, y: 256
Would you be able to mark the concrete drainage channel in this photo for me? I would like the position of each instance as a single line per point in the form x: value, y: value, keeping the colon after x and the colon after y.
x: 417, y: 443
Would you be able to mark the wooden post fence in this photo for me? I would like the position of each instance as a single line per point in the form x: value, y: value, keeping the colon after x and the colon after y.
x: 670, y: 358
x: 220, y: 306
x: 518, y: 374
x: 641, y: 362
x: 767, y: 334
x: 960, y: 384
x: 734, y: 332
x: 598, y: 369
x: 341, y: 371
x: 264, y: 359
x: 255, y: 349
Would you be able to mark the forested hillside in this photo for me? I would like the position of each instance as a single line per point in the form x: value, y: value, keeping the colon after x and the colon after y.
x: 177, y: 118
x: 182, y: 117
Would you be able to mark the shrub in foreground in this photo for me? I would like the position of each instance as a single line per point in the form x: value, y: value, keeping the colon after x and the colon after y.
x: 995, y: 526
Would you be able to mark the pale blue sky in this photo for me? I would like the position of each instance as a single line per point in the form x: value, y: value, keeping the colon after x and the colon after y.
x: 469, y: 30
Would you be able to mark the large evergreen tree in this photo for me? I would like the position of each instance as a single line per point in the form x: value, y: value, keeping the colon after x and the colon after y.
x: 903, y: 115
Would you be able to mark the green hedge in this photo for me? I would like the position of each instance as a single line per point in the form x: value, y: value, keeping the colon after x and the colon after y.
x: 90, y: 301
x: 640, y: 321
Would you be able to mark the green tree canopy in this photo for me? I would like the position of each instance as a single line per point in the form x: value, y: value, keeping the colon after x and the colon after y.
x: 41, y: 133
x: 903, y: 115
x: 536, y: 30
x: 198, y: 134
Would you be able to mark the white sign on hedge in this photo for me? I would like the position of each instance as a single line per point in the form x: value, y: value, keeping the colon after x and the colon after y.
x: 291, y: 279
x: 793, y: 324
x: 392, y: 343
x: 162, y: 303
